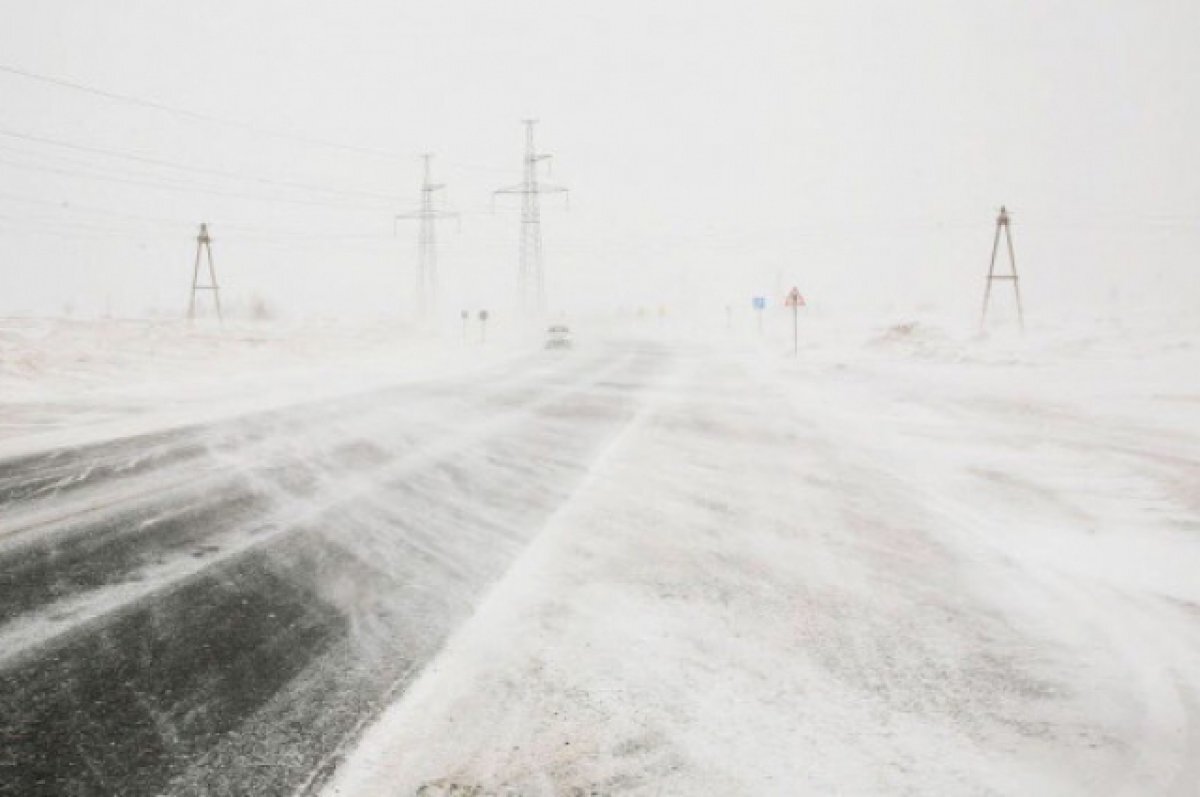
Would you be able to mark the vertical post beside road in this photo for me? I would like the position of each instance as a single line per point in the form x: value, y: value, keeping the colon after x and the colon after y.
x: 795, y: 301
x: 795, y: 331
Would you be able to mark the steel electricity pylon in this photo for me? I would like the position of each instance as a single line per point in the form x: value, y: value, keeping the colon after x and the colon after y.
x: 204, y: 245
x: 531, y: 280
x: 1002, y: 223
x: 427, y: 278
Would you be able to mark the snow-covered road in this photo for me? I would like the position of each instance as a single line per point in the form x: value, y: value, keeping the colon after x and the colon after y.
x: 640, y: 567
x: 860, y: 576
x: 217, y: 609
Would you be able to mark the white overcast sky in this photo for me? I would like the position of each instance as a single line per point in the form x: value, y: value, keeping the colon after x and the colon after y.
x: 714, y: 150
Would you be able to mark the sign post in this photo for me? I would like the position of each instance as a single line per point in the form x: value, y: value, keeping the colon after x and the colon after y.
x: 760, y: 304
x: 483, y: 317
x: 465, y: 317
x: 795, y: 301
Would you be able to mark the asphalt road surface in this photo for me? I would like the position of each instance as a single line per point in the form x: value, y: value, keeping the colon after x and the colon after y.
x: 220, y: 609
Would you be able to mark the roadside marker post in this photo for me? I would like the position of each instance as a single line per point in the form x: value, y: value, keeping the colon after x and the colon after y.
x: 466, y: 316
x: 483, y: 317
x: 760, y: 304
x: 795, y: 300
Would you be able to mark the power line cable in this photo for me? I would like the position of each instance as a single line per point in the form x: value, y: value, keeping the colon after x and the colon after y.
x: 184, y: 167
x: 195, y: 115
x: 176, y: 186
x: 239, y: 230
x: 75, y: 207
x: 46, y: 225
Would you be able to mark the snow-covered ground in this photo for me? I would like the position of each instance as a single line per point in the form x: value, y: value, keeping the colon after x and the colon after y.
x: 903, y: 562
x: 218, y: 608
x: 908, y: 560
x: 63, y: 382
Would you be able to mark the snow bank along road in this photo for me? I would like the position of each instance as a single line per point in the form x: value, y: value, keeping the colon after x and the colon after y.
x: 218, y: 609
x: 640, y: 569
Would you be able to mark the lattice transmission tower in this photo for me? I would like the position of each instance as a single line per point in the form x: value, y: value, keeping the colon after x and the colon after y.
x: 427, y: 278
x: 531, y: 279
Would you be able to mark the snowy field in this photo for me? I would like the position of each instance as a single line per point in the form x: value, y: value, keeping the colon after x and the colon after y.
x: 900, y: 563
x: 64, y: 382
x: 357, y: 561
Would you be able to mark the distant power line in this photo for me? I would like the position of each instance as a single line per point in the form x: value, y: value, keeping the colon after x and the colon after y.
x: 184, y: 187
x: 235, y: 124
x: 187, y: 113
x: 235, y: 229
x: 73, y: 207
x: 53, y: 227
x: 138, y: 158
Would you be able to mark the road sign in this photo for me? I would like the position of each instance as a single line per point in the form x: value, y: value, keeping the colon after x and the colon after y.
x: 794, y: 298
x: 760, y: 303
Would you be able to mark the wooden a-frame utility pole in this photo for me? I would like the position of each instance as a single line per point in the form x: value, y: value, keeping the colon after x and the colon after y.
x: 204, y: 244
x: 1002, y: 223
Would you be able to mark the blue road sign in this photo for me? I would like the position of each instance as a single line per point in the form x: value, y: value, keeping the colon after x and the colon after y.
x: 760, y: 302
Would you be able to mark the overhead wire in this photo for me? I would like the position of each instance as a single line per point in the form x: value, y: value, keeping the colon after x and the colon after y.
x: 243, y: 126
x: 177, y: 186
x: 76, y: 207
x: 48, y: 226
x: 139, y: 158
x: 98, y: 172
x: 242, y: 231
x: 195, y: 115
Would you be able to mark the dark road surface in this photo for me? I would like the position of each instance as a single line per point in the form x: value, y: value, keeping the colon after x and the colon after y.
x: 220, y: 609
